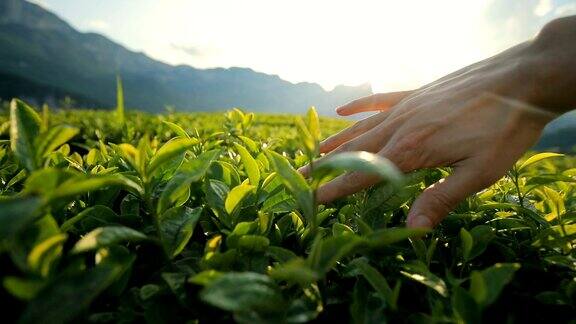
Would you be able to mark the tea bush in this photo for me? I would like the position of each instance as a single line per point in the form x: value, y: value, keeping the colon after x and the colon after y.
x: 106, y: 217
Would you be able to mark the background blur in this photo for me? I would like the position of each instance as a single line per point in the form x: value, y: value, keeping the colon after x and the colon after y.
x: 261, y: 55
x: 390, y: 44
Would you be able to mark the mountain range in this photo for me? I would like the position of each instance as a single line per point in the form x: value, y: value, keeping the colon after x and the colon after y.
x: 43, y: 58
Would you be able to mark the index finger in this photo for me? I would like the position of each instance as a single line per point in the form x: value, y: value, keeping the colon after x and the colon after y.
x: 375, y: 102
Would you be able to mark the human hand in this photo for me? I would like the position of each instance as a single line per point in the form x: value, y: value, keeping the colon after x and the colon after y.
x: 475, y: 120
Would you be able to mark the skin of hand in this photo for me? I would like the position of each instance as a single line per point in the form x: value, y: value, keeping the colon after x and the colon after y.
x: 478, y: 120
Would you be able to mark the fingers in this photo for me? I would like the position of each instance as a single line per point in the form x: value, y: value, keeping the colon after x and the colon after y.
x: 379, y: 101
x: 345, y: 185
x: 351, y: 132
x: 371, y: 141
x: 438, y: 200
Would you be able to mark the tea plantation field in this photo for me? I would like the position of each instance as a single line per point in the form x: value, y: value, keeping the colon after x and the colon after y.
x: 114, y: 217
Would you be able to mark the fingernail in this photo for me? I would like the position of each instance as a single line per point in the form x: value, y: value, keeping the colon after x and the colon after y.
x: 420, y: 221
x: 303, y: 169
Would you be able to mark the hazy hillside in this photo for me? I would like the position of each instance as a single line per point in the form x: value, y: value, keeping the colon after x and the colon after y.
x: 37, y: 46
x: 560, y: 135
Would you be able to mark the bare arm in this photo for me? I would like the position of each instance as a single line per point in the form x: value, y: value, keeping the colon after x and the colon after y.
x: 478, y: 120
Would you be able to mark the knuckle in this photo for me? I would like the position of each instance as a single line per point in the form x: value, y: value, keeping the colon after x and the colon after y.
x: 409, y: 142
x: 442, y: 200
x: 356, y: 127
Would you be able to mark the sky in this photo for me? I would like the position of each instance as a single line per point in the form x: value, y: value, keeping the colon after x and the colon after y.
x: 393, y: 45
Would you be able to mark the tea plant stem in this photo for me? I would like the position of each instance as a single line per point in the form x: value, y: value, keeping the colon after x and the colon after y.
x: 154, y: 217
x: 516, y: 181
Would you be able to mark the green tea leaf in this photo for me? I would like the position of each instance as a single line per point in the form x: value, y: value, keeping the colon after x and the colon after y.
x: 364, y: 162
x: 24, y: 289
x: 536, y: 158
x: 177, y: 129
x: 328, y: 252
x: 44, y: 255
x: 241, y: 229
x: 387, y: 236
x: 281, y: 254
x: 313, y: 123
x: 482, y: 236
x: 281, y: 202
x: 467, y: 243
x: 376, y: 280
x: 250, y: 165
x: 243, y: 291
x: 168, y: 151
x: 296, y: 270
x: 295, y: 183
x: 84, y: 184
x: 52, y: 139
x: 119, y: 100
x: 216, y: 193
x: 465, y: 308
x: 235, y: 197
x: 486, y: 285
x: 107, y: 236
x: 177, y: 225
x: 16, y: 213
x: 341, y: 229
x: 253, y: 243
x: 419, y: 273
x: 91, y: 218
x: 71, y: 293
x: 180, y: 183
x: 24, y: 129
x: 205, y: 278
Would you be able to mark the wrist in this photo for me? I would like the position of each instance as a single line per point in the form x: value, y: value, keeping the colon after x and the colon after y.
x: 549, y: 64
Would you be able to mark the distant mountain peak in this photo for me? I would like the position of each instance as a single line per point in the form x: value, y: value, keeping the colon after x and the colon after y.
x: 38, y: 46
x: 30, y: 15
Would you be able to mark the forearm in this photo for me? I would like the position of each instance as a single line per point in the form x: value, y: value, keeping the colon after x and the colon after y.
x: 552, y: 62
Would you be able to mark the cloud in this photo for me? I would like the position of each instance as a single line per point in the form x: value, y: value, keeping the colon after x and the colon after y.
x: 98, y: 24
x: 543, y: 8
x: 191, y: 50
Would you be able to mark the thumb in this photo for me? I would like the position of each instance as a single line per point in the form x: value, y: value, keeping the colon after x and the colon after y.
x: 439, y: 199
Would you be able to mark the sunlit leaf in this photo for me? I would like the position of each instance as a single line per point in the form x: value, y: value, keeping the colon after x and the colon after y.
x: 170, y: 150
x: 295, y: 183
x: 364, y: 162
x: 53, y: 138
x: 235, y: 197
x: 250, y: 165
x: 44, y: 255
x: 107, y: 236
x: 418, y: 272
x: 176, y: 129
x: 538, y: 157
x: 24, y: 129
